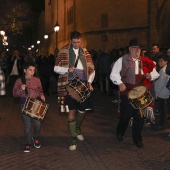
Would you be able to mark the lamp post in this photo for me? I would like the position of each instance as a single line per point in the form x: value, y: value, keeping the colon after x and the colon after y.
x: 38, y: 43
x: 56, y: 29
x: 46, y: 37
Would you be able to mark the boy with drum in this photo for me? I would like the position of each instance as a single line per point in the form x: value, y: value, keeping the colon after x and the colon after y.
x: 74, y: 61
x: 130, y: 71
x: 29, y: 86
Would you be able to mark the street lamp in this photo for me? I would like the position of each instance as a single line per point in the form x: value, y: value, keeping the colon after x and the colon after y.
x: 2, y: 33
x: 5, y: 38
x: 38, y: 43
x: 45, y: 37
x: 56, y: 29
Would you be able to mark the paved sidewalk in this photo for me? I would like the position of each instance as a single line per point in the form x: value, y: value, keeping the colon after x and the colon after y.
x: 99, y: 151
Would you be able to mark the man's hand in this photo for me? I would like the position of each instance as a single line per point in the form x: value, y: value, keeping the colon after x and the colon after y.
x: 90, y: 86
x: 148, y: 76
x: 122, y: 87
x: 71, y: 69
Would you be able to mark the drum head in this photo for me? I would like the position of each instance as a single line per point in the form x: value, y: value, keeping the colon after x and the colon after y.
x: 137, y: 92
x: 73, y: 93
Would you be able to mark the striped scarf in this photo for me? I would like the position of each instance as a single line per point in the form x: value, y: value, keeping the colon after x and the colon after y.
x: 63, y: 61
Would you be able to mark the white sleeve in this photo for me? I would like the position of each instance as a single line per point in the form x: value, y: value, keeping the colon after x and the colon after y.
x: 154, y: 74
x: 91, y: 77
x: 115, y: 73
x: 60, y: 70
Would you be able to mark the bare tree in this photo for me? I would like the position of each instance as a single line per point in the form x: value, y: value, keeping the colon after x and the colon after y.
x: 15, y: 16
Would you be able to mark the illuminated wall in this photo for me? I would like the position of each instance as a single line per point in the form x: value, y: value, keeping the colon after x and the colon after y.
x: 104, y: 24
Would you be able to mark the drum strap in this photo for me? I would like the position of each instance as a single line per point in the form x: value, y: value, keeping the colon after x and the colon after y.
x: 24, y: 82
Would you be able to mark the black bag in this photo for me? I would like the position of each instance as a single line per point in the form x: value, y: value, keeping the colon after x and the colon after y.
x: 168, y: 84
x: 167, y: 71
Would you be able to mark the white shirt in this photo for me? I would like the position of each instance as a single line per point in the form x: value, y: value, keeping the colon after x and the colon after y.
x: 117, y: 67
x: 79, y: 64
x: 160, y: 85
x: 63, y: 70
x: 14, y: 69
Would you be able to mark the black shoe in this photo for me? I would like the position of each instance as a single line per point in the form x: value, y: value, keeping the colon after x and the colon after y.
x: 36, y: 142
x: 120, y: 137
x: 27, y: 148
x: 139, y: 144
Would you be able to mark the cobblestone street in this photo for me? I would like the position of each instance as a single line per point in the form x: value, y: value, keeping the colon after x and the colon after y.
x: 99, y: 151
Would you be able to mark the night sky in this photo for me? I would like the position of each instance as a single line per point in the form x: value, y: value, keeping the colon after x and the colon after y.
x: 37, y: 5
x: 29, y: 34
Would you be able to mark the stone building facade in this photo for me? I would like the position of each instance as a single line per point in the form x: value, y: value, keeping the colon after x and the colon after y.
x: 108, y: 24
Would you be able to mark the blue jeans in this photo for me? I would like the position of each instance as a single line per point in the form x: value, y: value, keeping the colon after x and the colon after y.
x: 28, y: 122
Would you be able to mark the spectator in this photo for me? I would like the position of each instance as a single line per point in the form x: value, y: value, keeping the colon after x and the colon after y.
x: 161, y: 92
x: 15, y: 67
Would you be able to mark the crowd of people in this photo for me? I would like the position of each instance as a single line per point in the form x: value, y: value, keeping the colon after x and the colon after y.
x: 118, y: 73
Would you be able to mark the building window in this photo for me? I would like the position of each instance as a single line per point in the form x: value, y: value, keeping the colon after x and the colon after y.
x: 70, y: 15
x: 104, y: 20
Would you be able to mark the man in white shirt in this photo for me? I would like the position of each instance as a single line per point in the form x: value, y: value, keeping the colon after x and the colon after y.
x: 129, y: 71
x: 74, y: 61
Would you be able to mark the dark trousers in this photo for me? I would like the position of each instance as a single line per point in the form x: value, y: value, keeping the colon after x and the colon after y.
x: 105, y: 83
x: 126, y: 113
x: 13, y: 79
x: 45, y: 81
x: 163, y: 110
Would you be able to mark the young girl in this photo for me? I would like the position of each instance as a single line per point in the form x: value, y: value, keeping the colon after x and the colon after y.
x: 34, y: 90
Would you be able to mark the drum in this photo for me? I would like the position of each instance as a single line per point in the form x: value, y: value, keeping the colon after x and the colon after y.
x: 140, y: 97
x: 35, y: 108
x: 78, y: 89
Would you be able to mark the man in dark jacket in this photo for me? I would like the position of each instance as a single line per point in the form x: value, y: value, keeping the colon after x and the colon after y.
x: 15, y: 67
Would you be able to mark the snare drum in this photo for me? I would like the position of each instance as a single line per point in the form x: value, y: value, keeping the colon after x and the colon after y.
x: 140, y: 97
x: 78, y: 89
x: 35, y: 108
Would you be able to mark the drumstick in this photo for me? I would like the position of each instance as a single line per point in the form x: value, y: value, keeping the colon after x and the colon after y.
x: 74, y: 71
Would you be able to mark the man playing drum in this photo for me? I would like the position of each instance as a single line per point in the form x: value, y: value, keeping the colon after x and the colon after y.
x: 74, y: 61
x: 129, y: 71
x: 31, y: 87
